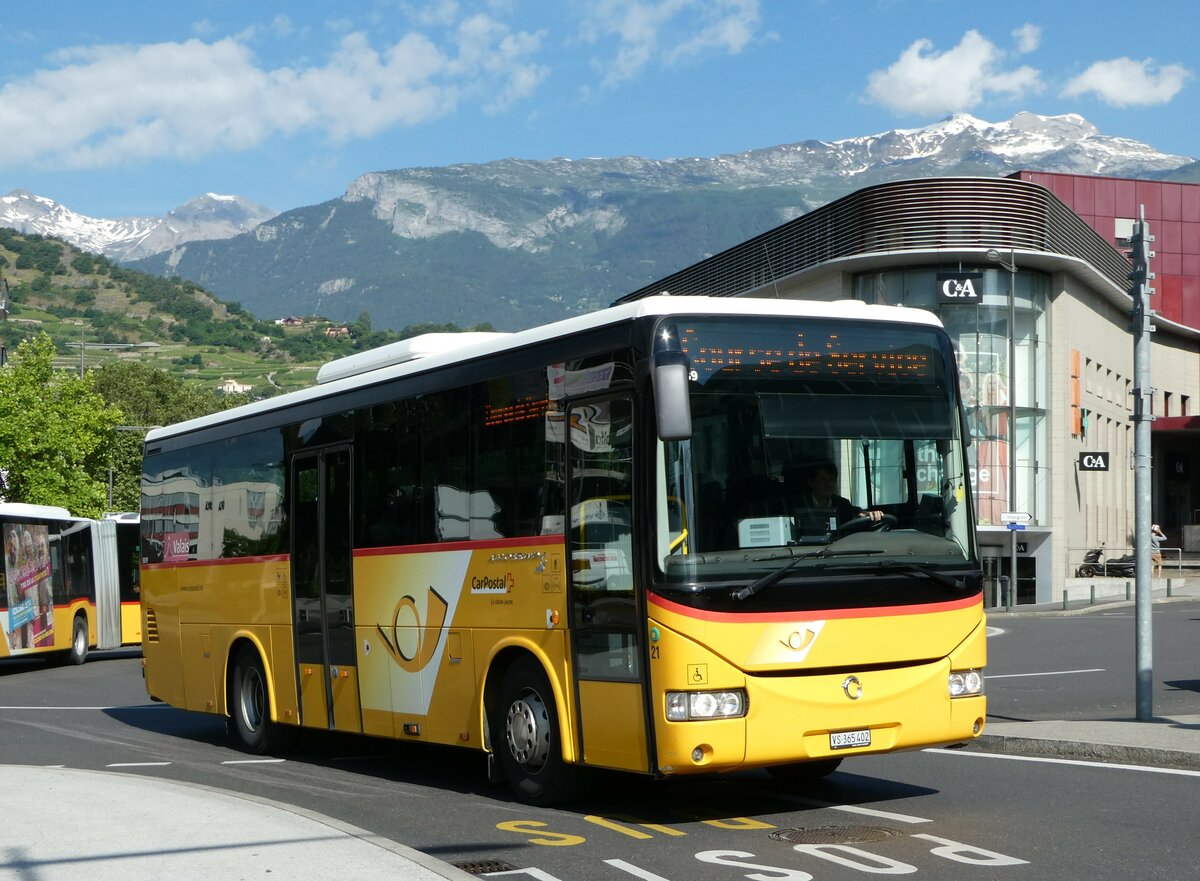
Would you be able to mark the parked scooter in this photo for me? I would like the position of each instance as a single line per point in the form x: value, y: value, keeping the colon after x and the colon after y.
x: 1113, y: 567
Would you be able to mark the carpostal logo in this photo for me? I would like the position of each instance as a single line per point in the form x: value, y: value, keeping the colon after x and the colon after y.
x: 497, y: 584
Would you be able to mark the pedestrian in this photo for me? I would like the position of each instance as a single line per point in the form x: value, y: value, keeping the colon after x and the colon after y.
x: 1156, y: 540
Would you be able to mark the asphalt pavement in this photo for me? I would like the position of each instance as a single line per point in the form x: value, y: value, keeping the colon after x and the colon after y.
x: 130, y: 827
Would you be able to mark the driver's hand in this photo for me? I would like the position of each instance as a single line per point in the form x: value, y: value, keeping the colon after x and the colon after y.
x: 873, y: 515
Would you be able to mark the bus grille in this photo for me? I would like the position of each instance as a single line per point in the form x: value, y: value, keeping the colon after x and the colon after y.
x: 151, y: 627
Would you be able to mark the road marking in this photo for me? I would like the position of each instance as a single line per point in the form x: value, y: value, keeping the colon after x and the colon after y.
x: 991, y: 676
x: 854, y: 809
x: 996, y: 631
x: 1113, y: 766
x: 138, y: 765
x: 252, y: 761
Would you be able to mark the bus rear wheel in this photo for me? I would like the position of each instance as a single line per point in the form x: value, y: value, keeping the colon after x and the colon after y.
x: 250, y: 704
x: 78, y: 651
x: 527, y: 738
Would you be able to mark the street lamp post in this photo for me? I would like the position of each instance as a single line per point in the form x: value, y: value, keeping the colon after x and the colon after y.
x: 1011, y: 265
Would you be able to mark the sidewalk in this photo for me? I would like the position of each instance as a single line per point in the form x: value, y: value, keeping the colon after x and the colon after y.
x: 1180, y: 590
x: 1165, y: 741
x: 62, y: 825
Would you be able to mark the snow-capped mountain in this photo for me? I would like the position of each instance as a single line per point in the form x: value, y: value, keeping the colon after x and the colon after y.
x: 209, y: 217
x: 420, y: 203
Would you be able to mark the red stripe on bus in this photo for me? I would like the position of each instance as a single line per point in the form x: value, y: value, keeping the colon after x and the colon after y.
x: 477, y: 545
x: 813, y: 614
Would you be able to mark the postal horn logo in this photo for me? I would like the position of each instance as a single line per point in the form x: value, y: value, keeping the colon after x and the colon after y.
x: 410, y: 641
x: 800, y: 641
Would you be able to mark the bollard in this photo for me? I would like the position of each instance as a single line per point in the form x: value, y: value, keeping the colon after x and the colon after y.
x: 1092, y: 601
x: 1169, y: 586
x: 1064, y: 601
x: 1128, y: 590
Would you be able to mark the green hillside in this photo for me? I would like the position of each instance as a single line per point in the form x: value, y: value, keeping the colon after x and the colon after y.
x: 119, y: 314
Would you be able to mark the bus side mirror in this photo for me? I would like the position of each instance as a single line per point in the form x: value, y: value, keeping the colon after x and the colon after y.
x: 672, y: 405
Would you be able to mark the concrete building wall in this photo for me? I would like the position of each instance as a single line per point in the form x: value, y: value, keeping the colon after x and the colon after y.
x: 1089, y: 507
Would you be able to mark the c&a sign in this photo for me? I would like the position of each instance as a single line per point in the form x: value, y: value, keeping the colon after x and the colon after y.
x: 1093, y: 461
x: 959, y: 287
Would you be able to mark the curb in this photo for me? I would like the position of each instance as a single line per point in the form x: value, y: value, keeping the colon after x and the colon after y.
x: 1097, y: 752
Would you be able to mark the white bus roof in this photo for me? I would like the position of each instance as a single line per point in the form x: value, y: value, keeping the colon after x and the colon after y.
x: 487, y: 344
x: 49, y: 512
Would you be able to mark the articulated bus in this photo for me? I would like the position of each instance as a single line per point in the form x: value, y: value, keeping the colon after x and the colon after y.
x: 585, y: 544
x: 71, y: 584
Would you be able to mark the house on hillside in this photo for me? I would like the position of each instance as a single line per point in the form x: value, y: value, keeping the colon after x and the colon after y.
x: 233, y: 387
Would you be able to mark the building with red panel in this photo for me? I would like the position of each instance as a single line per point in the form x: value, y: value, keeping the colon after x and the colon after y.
x: 1109, y: 205
x: 1045, y: 352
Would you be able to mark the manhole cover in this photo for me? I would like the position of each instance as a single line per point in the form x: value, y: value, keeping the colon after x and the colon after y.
x: 834, y: 834
x: 483, y: 867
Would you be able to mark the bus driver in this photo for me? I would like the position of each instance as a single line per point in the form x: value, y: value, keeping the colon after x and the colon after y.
x: 820, y: 509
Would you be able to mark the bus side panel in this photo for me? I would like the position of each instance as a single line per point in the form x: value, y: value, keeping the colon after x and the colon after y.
x: 283, y: 678
x: 131, y: 623
x: 160, y: 623
x: 429, y: 621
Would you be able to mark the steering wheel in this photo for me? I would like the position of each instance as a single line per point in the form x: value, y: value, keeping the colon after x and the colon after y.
x: 858, y: 524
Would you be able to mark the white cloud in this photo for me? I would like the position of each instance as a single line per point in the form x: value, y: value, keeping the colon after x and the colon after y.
x: 1123, y: 82
x: 927, y: 82
x: 1028, y: 37
x: 667, y: 31
x: 117, y: 105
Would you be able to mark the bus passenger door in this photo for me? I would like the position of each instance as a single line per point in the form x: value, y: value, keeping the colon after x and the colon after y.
x: 322, y: 567
x: 605, y: 615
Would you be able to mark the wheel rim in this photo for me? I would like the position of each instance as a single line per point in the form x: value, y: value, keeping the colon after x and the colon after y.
x: 80, y: 640
x: 253, y: 700
x: 528, y: 731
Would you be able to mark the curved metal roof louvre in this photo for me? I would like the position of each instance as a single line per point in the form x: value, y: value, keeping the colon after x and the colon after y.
x: 909, y: 215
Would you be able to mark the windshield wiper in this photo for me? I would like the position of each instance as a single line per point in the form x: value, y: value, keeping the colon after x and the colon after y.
x: 956, y: 586
x: 756, y: 587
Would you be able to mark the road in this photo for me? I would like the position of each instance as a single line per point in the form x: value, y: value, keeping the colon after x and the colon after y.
x: 936, y: 814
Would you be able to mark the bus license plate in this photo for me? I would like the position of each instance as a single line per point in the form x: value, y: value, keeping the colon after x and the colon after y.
x: 847, y: 739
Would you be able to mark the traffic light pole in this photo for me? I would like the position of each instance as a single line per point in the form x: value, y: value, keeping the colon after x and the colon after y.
x: 1141, y: 327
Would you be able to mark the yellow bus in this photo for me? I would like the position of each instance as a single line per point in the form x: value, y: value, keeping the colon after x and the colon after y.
x: 70, y: 584
x: 586, y: 544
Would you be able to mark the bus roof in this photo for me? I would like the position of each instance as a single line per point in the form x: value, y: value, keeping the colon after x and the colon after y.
x: 357, y: 370
x: 47, y: 512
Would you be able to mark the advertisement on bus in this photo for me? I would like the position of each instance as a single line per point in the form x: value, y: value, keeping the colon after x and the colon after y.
x: 30, y: 587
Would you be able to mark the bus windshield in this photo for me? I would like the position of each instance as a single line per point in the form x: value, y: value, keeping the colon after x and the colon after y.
x: 821, y: 449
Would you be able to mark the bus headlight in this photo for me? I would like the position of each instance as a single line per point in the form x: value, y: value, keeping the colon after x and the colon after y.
x: 965, y: 683
x: 687, y: 706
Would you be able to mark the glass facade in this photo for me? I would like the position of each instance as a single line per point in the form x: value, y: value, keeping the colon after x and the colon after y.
x: 980, y: 332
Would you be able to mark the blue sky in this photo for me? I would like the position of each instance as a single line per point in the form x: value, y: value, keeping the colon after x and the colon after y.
x: 134, y: 108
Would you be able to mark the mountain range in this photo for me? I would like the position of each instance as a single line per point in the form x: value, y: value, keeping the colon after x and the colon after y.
x: 211, y: 216
x: 519, y: 242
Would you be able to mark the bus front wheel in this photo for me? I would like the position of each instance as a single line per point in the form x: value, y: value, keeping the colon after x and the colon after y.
x: 527, y: 736
x: 249, y: 704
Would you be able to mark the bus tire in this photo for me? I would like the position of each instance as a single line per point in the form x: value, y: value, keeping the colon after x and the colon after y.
x: 802, y: 773
x: 78, y: 651
x: 527, y: 736
x: 250, y: 705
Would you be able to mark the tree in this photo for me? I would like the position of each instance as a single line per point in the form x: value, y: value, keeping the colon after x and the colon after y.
x: 146, y: 397
x: 54, y: 432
